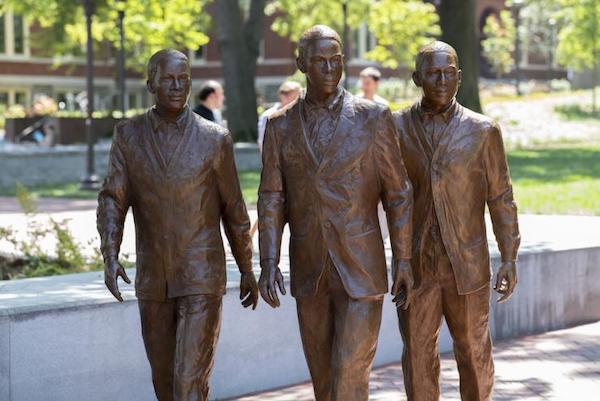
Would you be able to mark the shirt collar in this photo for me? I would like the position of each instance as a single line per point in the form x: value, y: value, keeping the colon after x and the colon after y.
x: 332, y: 104
x: 447, y: 112
x: 156, y: 120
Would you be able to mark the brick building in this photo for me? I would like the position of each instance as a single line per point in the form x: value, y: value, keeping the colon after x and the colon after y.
x: 24, y: 74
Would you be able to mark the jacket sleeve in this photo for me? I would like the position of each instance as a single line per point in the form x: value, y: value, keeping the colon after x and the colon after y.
x: 113, y: 200
x: 271, y: 199
x: 503, y: 209
x: 396, y: 189
x: 233, y: 209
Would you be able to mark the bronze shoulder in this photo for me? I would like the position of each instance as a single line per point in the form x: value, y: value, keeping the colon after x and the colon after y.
x: 479, y: 121
x: 128, y: 129
x: 284, y: 112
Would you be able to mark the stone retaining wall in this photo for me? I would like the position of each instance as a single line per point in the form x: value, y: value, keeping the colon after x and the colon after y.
x: 92, y: 350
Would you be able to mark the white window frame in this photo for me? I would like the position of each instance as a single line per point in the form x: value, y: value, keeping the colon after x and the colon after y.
x: 362, y: 42
x: 9, y: 38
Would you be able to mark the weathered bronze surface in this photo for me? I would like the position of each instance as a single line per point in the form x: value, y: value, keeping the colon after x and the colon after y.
x: 456, y: 162
x: 328, y: 159
x: 177, y: 172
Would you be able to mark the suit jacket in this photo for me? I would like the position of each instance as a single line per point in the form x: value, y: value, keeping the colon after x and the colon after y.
x: 467, y: 170
x: 177, y: 207
x: 331, y: 206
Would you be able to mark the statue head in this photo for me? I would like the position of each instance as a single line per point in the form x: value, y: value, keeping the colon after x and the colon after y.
x: 320, y: 58
x: 437, y: 73
x: 169, y: 80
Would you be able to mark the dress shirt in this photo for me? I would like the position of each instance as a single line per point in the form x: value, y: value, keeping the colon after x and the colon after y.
x: 321, y: 121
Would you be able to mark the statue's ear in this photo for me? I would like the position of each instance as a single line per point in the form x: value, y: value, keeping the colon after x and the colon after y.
x: 459, y: 77
x: 301, y: 64
x: 416, y: 77
x: 150, y: 86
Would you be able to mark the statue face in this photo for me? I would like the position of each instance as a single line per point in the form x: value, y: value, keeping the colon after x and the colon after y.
x: 323, y: 65
x: 439, y: 78
x: 171, y: 86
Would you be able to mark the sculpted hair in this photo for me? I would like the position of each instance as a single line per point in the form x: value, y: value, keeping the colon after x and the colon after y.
x: 435, y: 47
x: 317, y: 32
x: 158, y: 56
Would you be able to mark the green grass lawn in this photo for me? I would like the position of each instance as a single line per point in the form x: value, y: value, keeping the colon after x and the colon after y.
x: 70, y: 190
x: 563, y: 180
x: 557, y: 180
x: 249, y: 181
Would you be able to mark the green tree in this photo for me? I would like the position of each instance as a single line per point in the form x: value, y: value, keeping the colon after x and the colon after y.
x: 294, y: 17
x: 239, y: 31
x: 457, y: 20
x: 149, y: 25
x: 499, y: 44
x: 579, y: 38
x: 401, y: 29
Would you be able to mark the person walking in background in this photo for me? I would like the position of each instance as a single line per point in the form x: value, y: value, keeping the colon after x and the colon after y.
x: 288, y: 92
x: 210, y: 101
x: 369, y: 84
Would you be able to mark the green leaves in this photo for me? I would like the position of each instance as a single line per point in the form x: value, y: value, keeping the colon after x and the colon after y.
x: 400, y: 26
x: 294, y: 17
x: 579, y: 40
x: 499, y: 45
x: 149, y: 25
x: 401, y: 29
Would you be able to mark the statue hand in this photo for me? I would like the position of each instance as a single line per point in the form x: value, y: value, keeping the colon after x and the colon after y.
x: 270, y: 279
x: 248, y: 290
x: 402, y: 287
x: 112, y: 270
x: 506, y: 280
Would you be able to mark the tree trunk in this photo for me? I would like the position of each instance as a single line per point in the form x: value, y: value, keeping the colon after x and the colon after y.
x: 457, y: 20
x: 239, y: 45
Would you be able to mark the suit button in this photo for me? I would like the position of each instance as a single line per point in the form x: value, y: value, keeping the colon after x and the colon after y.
x: 327, y: 224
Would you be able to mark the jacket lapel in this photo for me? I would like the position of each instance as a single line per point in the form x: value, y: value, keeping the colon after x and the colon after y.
x: 446, y: 138
x: 183, y: 138
x: 422, y: 136
x: 158, y: 157
x: 344, y: 125
x: 306, y: 142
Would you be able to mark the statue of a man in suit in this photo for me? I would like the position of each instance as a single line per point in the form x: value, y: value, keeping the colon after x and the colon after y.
x: 455, y: 159
x: 177, y: 172
x: 328, y: 159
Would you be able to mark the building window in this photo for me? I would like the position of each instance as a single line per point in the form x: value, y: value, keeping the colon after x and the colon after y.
x: 2, y: 35
x: 200, y: 53
x: 132, y: 101
x: 21, y: 98
x: 19, y: 34
x: 198, y: 56
x: 14, y: 34
x: 4, y: 99
x: 363, y: 42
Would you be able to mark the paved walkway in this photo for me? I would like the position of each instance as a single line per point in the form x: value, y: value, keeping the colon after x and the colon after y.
x: 561, y: 366
x: 538, y: 232
x: 534, y: 121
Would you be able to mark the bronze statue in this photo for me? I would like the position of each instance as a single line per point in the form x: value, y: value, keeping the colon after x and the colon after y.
x: 177, y: 172
x: 328, y: 159
x: 455, y: 159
